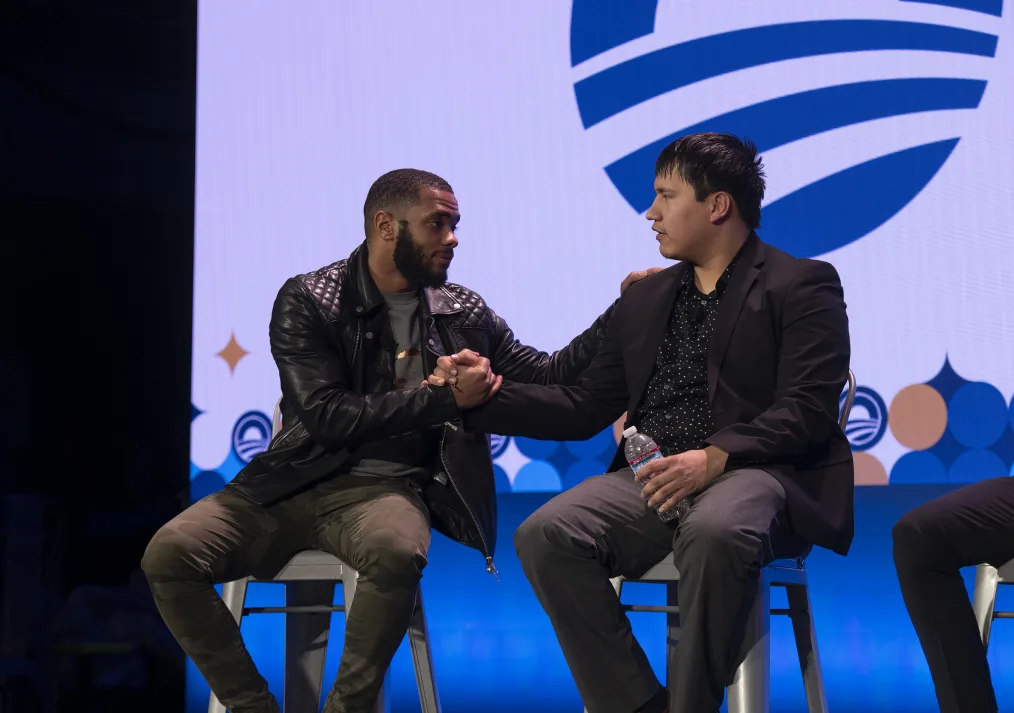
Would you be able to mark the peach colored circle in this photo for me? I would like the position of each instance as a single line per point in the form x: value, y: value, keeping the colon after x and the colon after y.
x: 918, y: 416
x: 869, y: 470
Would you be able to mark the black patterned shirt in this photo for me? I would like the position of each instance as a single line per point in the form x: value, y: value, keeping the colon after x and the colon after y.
x: 675, y: 410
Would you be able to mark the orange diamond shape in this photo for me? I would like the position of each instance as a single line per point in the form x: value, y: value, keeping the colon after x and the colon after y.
x: 232, y: 353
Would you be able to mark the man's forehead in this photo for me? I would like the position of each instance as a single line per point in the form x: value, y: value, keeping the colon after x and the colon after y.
x: 668, y: 182
x: 433, y: 199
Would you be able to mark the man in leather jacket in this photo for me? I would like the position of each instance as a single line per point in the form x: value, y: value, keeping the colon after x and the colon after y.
x: 368, y: 459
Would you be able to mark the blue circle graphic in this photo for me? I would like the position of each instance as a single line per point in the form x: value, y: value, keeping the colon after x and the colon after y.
x: 537, y: 477
x: 975, y: 465
x: 1012, y: 413
x: 867, y: 420
x: 536, y: 449
x: 205, y: 483
x: 503, y: 483
x: 251, y: 435
x: 977, y: 415
x: 918, y: 467
x: 594, y: 446
x: 581, y: 470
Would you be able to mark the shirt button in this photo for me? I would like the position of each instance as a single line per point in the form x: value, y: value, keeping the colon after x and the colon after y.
x: 359, y: 309
x: 457, y: 306
x: 369, y: 335
x: 430, y: 342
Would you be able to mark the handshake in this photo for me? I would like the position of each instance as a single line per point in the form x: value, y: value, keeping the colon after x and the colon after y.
x: 469, y: 376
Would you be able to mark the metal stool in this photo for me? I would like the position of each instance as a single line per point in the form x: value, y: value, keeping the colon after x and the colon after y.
x: 310, y: 578
x: 987, y: 580
x: 749, y: 692
x: 750, y: 689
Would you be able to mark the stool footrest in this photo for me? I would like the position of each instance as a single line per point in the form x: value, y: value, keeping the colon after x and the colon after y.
x: 1003, y: 615
x: 782, y: 612
x: 319, y: 609
x: 646, y: 608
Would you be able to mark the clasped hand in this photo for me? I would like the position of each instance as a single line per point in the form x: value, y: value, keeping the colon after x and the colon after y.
x: 469, y: 376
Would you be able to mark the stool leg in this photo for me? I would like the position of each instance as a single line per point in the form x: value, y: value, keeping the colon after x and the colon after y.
x: 306, y: 645
x: 801, y: 614
x: 749, y: 692
x: 349, y: 577
x: 422, y: 658
x: 672, y: 621
x: 984, y: 599
x: 234, y: 596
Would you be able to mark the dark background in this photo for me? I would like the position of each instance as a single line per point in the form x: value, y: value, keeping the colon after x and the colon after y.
x: 97, y: 108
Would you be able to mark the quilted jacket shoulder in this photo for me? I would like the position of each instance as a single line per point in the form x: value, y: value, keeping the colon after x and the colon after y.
x: 325, y: 287
x: 475, y: 313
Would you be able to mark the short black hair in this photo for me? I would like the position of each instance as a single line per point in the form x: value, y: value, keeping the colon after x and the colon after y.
x: 711, y: 162
x: 399, y: 190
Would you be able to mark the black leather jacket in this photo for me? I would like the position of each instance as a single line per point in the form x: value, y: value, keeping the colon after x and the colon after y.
x: 337, y: 390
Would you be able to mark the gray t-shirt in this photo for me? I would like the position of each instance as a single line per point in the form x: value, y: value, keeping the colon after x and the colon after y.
x: 403, y: 311
x: 412, y: 455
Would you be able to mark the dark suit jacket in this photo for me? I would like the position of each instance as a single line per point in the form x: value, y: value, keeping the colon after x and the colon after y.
x: 777, y: 363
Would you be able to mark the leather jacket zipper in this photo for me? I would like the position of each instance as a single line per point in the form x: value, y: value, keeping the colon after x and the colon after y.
x: 357, y: 342
x: 490, y: 566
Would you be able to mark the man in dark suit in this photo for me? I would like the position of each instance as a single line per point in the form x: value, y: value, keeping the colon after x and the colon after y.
x: 733, y: 361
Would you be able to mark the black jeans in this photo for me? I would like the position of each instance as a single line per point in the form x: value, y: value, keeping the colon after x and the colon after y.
x: 971, y: 526
x: 380, y: 526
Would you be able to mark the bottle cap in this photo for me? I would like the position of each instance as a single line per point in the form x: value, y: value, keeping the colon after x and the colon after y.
x: 630, y: 432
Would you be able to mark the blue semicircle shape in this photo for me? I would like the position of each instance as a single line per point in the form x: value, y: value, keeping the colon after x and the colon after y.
x: 629, y: 83
x: 989, y: 7
x: 597, y: 26
x: 847, y: 205
x: 538, y: 476
x: 780, y: 121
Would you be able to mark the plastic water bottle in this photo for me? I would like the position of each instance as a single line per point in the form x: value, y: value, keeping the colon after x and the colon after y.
x: 640, y: 449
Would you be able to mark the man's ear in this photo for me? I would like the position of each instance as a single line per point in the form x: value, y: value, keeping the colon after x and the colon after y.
x: 721, y: 207
x: 385, y: 226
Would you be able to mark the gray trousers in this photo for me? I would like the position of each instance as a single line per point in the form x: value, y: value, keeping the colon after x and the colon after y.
x: 380, y: 526
x: 601, y: 528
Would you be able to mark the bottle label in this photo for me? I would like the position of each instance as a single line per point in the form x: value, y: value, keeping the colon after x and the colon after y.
x: 635, y: 465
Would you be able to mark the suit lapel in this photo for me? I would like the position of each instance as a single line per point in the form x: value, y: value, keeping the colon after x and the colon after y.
x: 742, y: 279
x: 658, y: 299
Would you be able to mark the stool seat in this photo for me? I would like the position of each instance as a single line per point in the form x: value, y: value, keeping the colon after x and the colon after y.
x: 987, y: 580
x: 1006, y: 572
x: 665, y: 571
x: 312, y: 565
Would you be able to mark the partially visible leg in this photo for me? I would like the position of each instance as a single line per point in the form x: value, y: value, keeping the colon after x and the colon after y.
x: 735, y: 527
x: 221, y: 538
x: 970, y: 526
x: 569, y: 549
x: 381, y: 528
